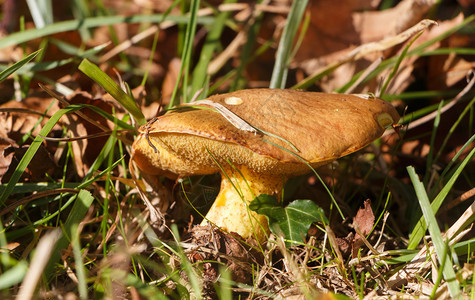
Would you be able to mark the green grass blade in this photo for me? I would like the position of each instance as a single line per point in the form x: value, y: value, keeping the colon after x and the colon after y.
x: 82, y: 202
x: 81, y: 11
x: 79, y: 263
x: 447, y: 169
x: 440, y: 245
x: 49, y: 65
x: 23, y: 188
x: 113, y: 89
x: 447, y: 51
x: 155, y: 41
x: 77, y: 51
x: 27, y: 35
x: 186, y: 264
x: 200, y: 73
x: 420, y: 228
x: 452, y: 129
x: 186, y: 54
x: 11, y: 69
x: 398, y: 63
x: 13, y: 276
x: 417, y: 50
x: 147, y: 291
x: 225, y: 287
x: 108, y: 116
x: 279, y: 74
x: 247, y: 53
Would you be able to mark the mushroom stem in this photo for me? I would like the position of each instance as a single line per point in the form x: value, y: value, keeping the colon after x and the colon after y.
x: 230, y: 210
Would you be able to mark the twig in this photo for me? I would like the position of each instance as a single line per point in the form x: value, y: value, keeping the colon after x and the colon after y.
x: 464, y: 197
x: 433, y: 114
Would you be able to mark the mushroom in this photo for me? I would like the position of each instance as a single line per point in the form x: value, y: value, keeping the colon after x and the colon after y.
x: 256, y: 139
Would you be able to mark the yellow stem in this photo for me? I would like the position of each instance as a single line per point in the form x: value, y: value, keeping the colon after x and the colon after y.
x: 230, y: 210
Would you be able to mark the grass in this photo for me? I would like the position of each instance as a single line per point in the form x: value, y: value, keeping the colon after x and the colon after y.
x: 91, y: 234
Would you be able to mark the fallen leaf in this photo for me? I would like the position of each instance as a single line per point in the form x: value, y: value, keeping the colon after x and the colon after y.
x: 447, y: 70
x: 364, y: 220
x: 41, y: 165
x: 86, y: 151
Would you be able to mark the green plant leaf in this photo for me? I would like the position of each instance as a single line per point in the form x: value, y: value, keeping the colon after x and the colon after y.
x: 293, y: 221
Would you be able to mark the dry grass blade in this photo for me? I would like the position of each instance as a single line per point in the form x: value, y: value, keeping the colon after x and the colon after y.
x: 339, y: 256
x: 308, y: 290
x: 38, y: 263
x: 445, y: 108
x: 217, y: 63
x: 238, y: 122
x: 366, y: 49
x: 86, y: 137
x: 391, y: 41
x: 202, y: 12
x: 421, y: 262
x: 156, y: 217
x: 374, y: 65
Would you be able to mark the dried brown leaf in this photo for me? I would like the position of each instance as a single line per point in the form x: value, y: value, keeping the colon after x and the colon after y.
x: 364, y: 220
x: 41, y: 164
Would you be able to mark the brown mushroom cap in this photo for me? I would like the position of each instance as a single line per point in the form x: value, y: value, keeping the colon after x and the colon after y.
x: 323, y: 127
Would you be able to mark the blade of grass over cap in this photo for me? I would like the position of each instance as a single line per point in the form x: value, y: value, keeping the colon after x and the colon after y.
x: 440, y: 245
x: 279, y: 74
x: 101, y: 78
x: 11, y: 69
